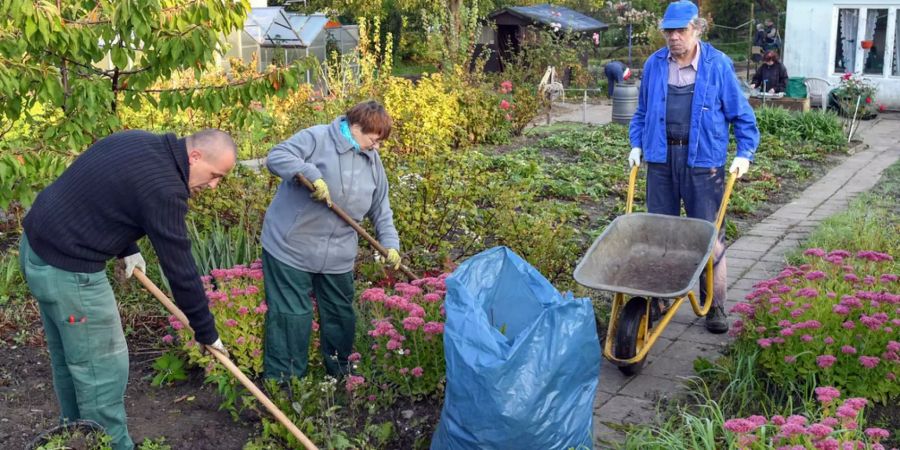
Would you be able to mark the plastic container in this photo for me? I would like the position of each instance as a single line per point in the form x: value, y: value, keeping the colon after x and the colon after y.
x: 796, y: 87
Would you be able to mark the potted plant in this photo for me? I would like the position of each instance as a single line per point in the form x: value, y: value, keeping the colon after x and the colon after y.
x: 855, y: 95
x: 867, y: 44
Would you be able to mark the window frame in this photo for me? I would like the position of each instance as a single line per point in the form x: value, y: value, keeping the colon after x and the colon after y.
x: 859, y: 59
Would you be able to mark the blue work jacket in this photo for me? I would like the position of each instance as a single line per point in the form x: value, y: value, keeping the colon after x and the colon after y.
x: 718, y: 101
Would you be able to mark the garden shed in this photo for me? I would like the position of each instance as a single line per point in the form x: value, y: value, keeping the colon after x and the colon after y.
x: 508, y: 27
x: 827, y: 38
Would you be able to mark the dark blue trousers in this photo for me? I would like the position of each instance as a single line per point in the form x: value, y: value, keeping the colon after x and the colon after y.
x: 700, y: 190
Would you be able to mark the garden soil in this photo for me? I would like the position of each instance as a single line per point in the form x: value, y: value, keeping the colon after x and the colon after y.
x: 186, y: 413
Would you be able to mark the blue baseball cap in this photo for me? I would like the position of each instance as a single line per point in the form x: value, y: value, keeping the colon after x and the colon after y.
x: 679, y: 14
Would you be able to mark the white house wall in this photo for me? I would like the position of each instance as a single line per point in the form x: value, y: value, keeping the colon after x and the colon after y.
x: 810, y: 41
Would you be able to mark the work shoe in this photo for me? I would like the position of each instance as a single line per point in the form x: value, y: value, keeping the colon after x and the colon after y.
x: 658, y: 307
x: 716, y: 320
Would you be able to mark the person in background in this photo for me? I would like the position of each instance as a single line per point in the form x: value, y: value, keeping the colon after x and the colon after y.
x: 773, y: 39
x: 616, y: 72
x: 689, y: 99
x: 126, y: 186
x: 759, y: 39
x: 771, y: 76
x: 308, y: 249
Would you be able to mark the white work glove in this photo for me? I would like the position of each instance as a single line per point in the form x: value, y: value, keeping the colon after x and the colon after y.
x: 132, y: 261
x: 634, y: 158
x: 740, y: 166
x: 218, y: 345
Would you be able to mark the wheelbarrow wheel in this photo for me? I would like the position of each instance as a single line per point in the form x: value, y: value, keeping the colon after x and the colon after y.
x: 630, y: 335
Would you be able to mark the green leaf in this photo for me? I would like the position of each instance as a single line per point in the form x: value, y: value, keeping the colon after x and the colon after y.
x: 30, y: 27
x: 119, y: 57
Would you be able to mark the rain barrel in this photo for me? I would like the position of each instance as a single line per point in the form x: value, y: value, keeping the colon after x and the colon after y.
x: 624, y: 102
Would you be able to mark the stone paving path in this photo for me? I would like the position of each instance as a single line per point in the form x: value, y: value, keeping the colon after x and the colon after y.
x: 757, y: 255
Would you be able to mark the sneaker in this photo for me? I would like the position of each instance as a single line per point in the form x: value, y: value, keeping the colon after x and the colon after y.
x: 716, y: 320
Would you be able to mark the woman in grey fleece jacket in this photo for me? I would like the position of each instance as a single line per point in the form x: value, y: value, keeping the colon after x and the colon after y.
x: 309, y: 249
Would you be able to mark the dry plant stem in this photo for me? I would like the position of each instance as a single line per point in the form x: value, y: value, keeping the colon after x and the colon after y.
x: 226, y: 361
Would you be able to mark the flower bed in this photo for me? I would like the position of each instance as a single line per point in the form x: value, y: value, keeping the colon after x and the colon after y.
x: 399, y: 357
x: 838, y: 426
x: 835, y: 318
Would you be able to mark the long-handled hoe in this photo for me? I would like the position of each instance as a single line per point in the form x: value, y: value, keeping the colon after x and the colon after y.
x: 226, y: 361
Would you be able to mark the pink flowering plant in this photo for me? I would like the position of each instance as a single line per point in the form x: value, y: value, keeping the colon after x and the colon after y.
x: 835, y: 317
x: 237, y: 300
x: 837, y: 426
x: 405, y: 342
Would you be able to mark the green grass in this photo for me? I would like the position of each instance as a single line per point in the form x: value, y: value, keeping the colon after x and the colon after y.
x: 872, y: 221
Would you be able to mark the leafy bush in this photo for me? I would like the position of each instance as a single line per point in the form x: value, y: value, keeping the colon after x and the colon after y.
x: 835, y: 317
x: 22, y: 176
x: 426, y: 115
x: 813, y: 126
x: 454, y: 205
x: 856, y: 94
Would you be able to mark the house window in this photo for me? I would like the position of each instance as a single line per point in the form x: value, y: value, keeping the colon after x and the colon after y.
x: 845, y: 50
x: 874, y: 39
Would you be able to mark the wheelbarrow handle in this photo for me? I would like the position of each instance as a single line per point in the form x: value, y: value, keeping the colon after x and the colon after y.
x: 362, y: 231
x: 720, y: 216
x: 226, y: 361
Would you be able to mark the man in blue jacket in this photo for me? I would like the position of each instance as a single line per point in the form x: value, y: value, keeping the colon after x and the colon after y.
x: 689, y: 96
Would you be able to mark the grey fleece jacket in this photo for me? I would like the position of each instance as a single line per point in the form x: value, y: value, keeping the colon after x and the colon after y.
x: 302, y: 232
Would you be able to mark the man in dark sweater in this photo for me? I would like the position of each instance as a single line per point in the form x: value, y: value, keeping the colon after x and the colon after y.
x: 125, y: 186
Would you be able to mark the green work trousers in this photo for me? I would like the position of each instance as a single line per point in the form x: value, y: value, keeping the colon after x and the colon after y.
x: 290, y: 316
x: 88, y: 353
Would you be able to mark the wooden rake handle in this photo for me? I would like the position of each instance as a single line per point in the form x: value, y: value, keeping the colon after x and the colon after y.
x: 226, y: 361
x: 343, y: 215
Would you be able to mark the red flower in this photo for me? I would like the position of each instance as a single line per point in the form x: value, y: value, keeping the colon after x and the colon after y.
x: 504, y: 105
x: 882, y: 107
x: 868, y: 99
x: 846, y: 76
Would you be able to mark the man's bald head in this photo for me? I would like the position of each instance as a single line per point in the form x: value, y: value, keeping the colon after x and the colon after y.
x: 213, y: 143
x: 211, y: 155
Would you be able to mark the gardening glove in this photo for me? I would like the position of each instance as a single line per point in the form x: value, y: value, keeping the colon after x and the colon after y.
x: 393, y: 258
x: 321, y: 193
x: 132, y: 261
x: 634, y: 158
x: 740, y: 166
x: 218, y: 345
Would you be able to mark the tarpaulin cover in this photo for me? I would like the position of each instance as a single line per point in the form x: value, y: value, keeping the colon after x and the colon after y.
x: 522, y: 359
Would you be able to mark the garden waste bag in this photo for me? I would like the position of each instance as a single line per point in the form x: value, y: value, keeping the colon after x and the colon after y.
x: 522, y: 359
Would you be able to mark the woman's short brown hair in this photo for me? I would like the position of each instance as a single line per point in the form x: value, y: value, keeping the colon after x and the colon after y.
x: 371, y: 117
x: 771, y: 55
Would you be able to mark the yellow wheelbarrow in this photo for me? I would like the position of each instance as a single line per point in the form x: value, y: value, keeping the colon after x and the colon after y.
x: 641, y: 256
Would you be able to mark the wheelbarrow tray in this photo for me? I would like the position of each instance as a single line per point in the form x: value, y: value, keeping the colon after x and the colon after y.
x: 649, y: 255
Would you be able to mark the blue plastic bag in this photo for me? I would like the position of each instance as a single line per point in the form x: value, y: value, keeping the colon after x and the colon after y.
x: 522, y: 360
